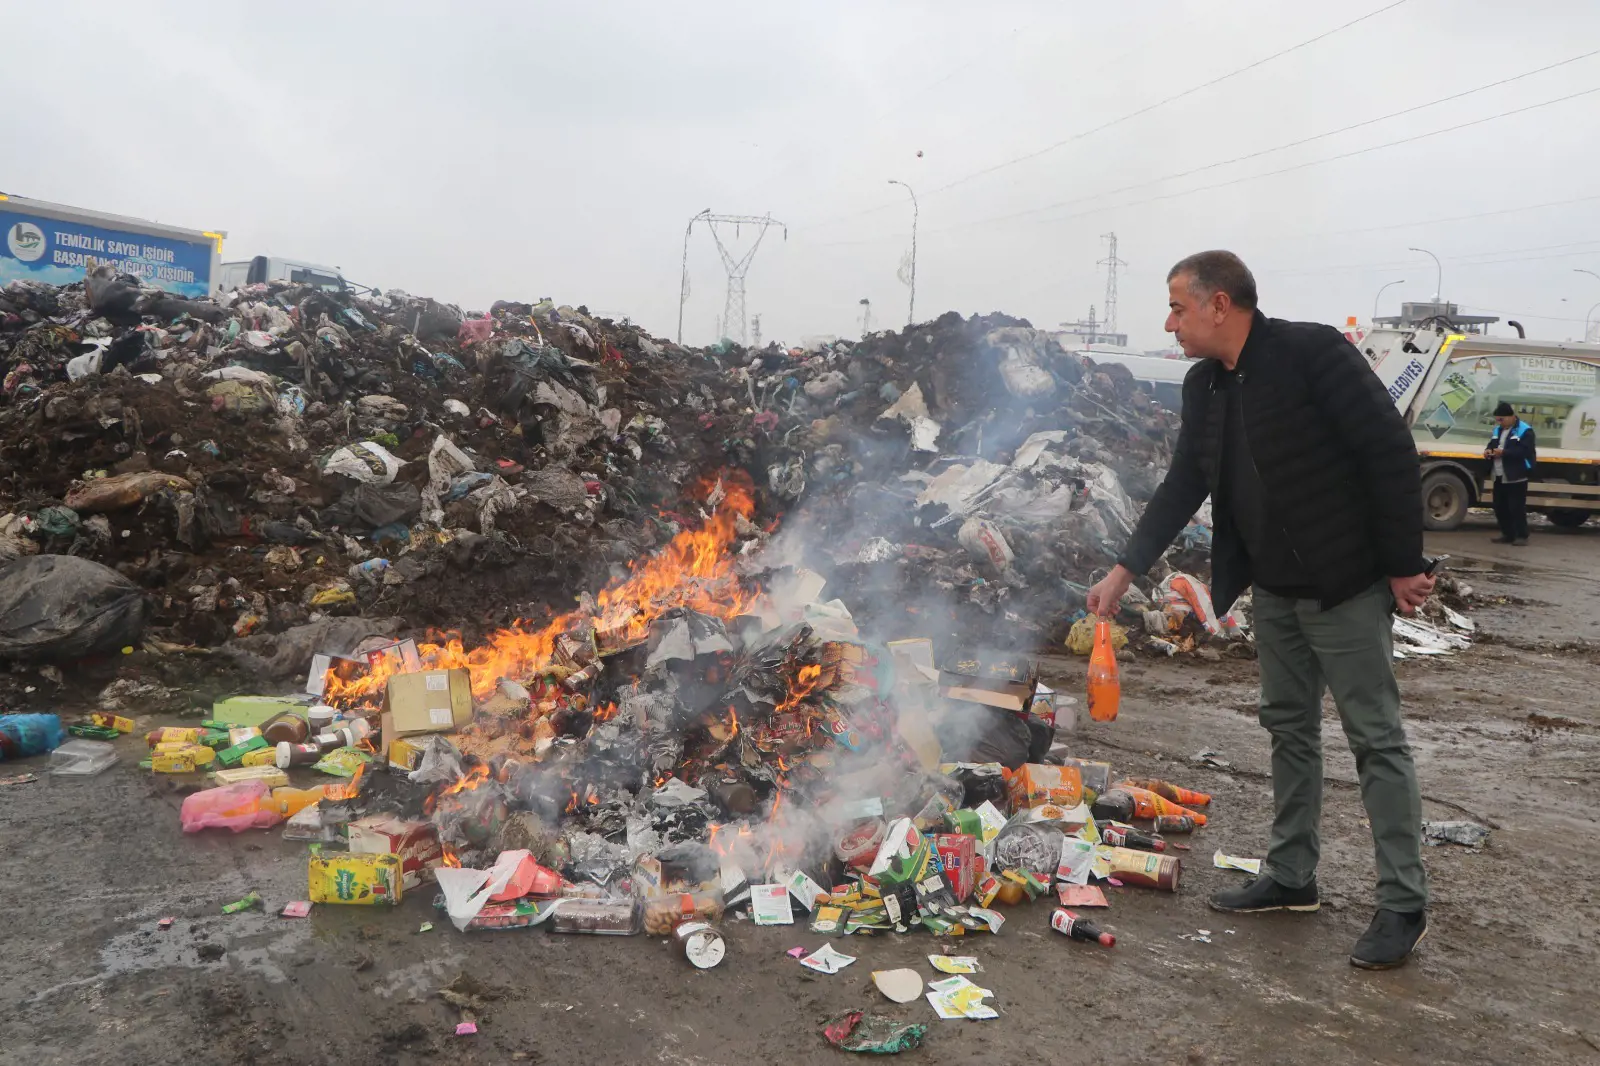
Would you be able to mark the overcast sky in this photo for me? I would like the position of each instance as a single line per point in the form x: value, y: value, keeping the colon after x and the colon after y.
x: 516, y: 150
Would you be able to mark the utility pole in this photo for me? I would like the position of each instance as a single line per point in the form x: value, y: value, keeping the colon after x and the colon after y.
x: 1375, y: 299
x: 911, y: 311
x: 1111, y: 262
x: 733, y: 310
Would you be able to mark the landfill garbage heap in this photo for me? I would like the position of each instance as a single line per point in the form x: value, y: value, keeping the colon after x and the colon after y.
x: 283, y: 468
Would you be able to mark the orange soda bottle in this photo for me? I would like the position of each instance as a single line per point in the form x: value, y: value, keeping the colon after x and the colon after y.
x: 291, y: 801
x: 1147, y: 804
x: 1105, y: 687
x: 1167, y: 790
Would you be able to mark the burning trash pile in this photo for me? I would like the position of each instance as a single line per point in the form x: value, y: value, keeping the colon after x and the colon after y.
x: 703, y: 741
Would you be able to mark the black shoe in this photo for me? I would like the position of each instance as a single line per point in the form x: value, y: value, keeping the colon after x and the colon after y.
x: 1389, y: 940
x: 1264, y: 894
x: 1520, y: 542
x: 1499, y: 540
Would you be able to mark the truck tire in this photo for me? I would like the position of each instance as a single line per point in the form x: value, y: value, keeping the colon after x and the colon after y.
x: 1568, y: 519
x: 1445, y: 500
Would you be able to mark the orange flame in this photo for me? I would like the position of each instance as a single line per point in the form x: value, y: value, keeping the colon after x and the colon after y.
x: 471, y: 779
x: 694, y: 570
x: 347, y: 791
x: 733, y: 723
x: 805, y: 683
x: 448, y: 856
x: 606, y: 713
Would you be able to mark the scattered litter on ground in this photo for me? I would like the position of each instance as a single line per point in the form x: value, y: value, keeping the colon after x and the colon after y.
x: 1234, y: 862
x: 1467, y: 834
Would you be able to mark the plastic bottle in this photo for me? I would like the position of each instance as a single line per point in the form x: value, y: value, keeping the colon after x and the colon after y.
x: 291, y: 801
x: 1113, y: 805
x: 1116, y: 836
x: 1105, y: 687
x: 286, y: 727
x: 1166, y: 789
x: 297, y: 755
x: 1064, y: 921
x: 1147, y: 804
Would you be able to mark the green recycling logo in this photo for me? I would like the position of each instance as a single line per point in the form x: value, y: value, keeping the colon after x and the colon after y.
x: 26, y: 241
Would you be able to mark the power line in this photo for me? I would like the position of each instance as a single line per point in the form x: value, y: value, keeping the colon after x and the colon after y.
x: 1310, y: 163
x: 1277, y: 148
x: 1168, y: 100
x: 1130, y: 115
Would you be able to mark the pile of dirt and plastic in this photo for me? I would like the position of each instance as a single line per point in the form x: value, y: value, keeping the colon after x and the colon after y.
x: 285, y: 465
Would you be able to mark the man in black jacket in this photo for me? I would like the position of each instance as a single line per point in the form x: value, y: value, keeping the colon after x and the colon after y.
x: 1317, y: 502
x: 1513, y: 450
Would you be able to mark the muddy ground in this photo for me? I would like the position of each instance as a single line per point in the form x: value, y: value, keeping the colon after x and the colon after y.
x: 1509, y: 731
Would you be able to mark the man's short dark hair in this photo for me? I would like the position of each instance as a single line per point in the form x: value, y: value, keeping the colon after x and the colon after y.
x: 1219, y: 271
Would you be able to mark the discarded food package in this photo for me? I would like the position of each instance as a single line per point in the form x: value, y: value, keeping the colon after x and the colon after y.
x: 358, y: 879
x: 1142, y: 868
x: 81, y: 758
x: 400, y: 657
x: 1467, y: 834
x: 1234, y: 862
x: 416, y: 843
x: 1035, y: 785
x: 431, y: 701
x: 958, y: 856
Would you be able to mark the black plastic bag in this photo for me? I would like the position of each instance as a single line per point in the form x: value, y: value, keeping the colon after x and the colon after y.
x: 56, y: 608
x: 369, y: 507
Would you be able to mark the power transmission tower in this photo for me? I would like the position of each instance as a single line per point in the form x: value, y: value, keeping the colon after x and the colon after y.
x: 1111, y: 262
x: 733, y: 311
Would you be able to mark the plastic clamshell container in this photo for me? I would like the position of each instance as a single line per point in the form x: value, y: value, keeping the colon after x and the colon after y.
x: 81, y: 758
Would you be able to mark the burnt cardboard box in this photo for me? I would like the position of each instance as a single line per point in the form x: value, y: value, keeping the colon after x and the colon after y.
x: 1005, y: 682
x: 430, y: 701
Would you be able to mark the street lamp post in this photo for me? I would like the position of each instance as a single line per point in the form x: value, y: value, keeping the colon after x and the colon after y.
x: 1438, y: 293
x: 911, y: 313
x: 1587, y: 316
x: 1375, y: 299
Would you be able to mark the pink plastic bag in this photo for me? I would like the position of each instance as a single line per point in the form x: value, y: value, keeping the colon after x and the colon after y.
x: 474, y: 330
x: 247, y: 805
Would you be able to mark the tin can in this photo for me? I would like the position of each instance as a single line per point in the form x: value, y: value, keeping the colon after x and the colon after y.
x: 575, y: 681
x: 702, y: 944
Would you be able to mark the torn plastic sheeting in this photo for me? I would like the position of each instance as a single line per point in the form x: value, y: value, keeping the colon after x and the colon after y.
x: 958, y: 487
x: 987, y: 545
x: 446, y: 463
x: 368, y: 462
x: 61, y: 607
x: 121, y: 492
x: 466, y: 892
x: 872, y: 1034
x: 1416, y: 637
x: 1467, y: 834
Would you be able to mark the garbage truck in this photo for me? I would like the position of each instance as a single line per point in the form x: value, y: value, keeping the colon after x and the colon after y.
x: 54, y: 244
x: 1447, y: 384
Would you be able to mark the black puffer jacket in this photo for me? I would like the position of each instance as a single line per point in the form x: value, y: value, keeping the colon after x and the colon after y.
x: 1337, y: 463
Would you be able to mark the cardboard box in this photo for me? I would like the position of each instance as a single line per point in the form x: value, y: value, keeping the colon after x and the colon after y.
x: 431, y: 701
x: 1005, y: 682
x: 1035, y: 785
x: 324, y: 667
x: 417, y: 844
x: 359, y: 879
x: 958, y: 856
x: 401, y: 657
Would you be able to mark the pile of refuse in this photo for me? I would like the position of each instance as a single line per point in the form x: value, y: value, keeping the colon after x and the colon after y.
x: 284, y: 466
x: 706, y: 740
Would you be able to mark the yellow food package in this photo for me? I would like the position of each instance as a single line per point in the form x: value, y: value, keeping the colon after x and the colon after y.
x: 260, y: 757
x: 112, y: 721
x: 182, y: 762
x: 360, y: 879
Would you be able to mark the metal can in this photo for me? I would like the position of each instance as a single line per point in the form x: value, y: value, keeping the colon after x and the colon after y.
x: 577, y: 680
x: 702, y: 944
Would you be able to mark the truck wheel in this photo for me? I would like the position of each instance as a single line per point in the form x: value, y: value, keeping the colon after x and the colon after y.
x: 1568, y: 519
x: 1445, y: 499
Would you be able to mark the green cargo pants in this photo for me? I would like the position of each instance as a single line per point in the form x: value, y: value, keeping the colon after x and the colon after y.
x: 1348, y: 650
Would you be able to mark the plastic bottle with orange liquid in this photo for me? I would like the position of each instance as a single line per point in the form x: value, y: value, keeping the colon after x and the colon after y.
x: 1105, y: 686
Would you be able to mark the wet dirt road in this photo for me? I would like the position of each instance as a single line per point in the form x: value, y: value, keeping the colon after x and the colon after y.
x: 1509, y: 731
